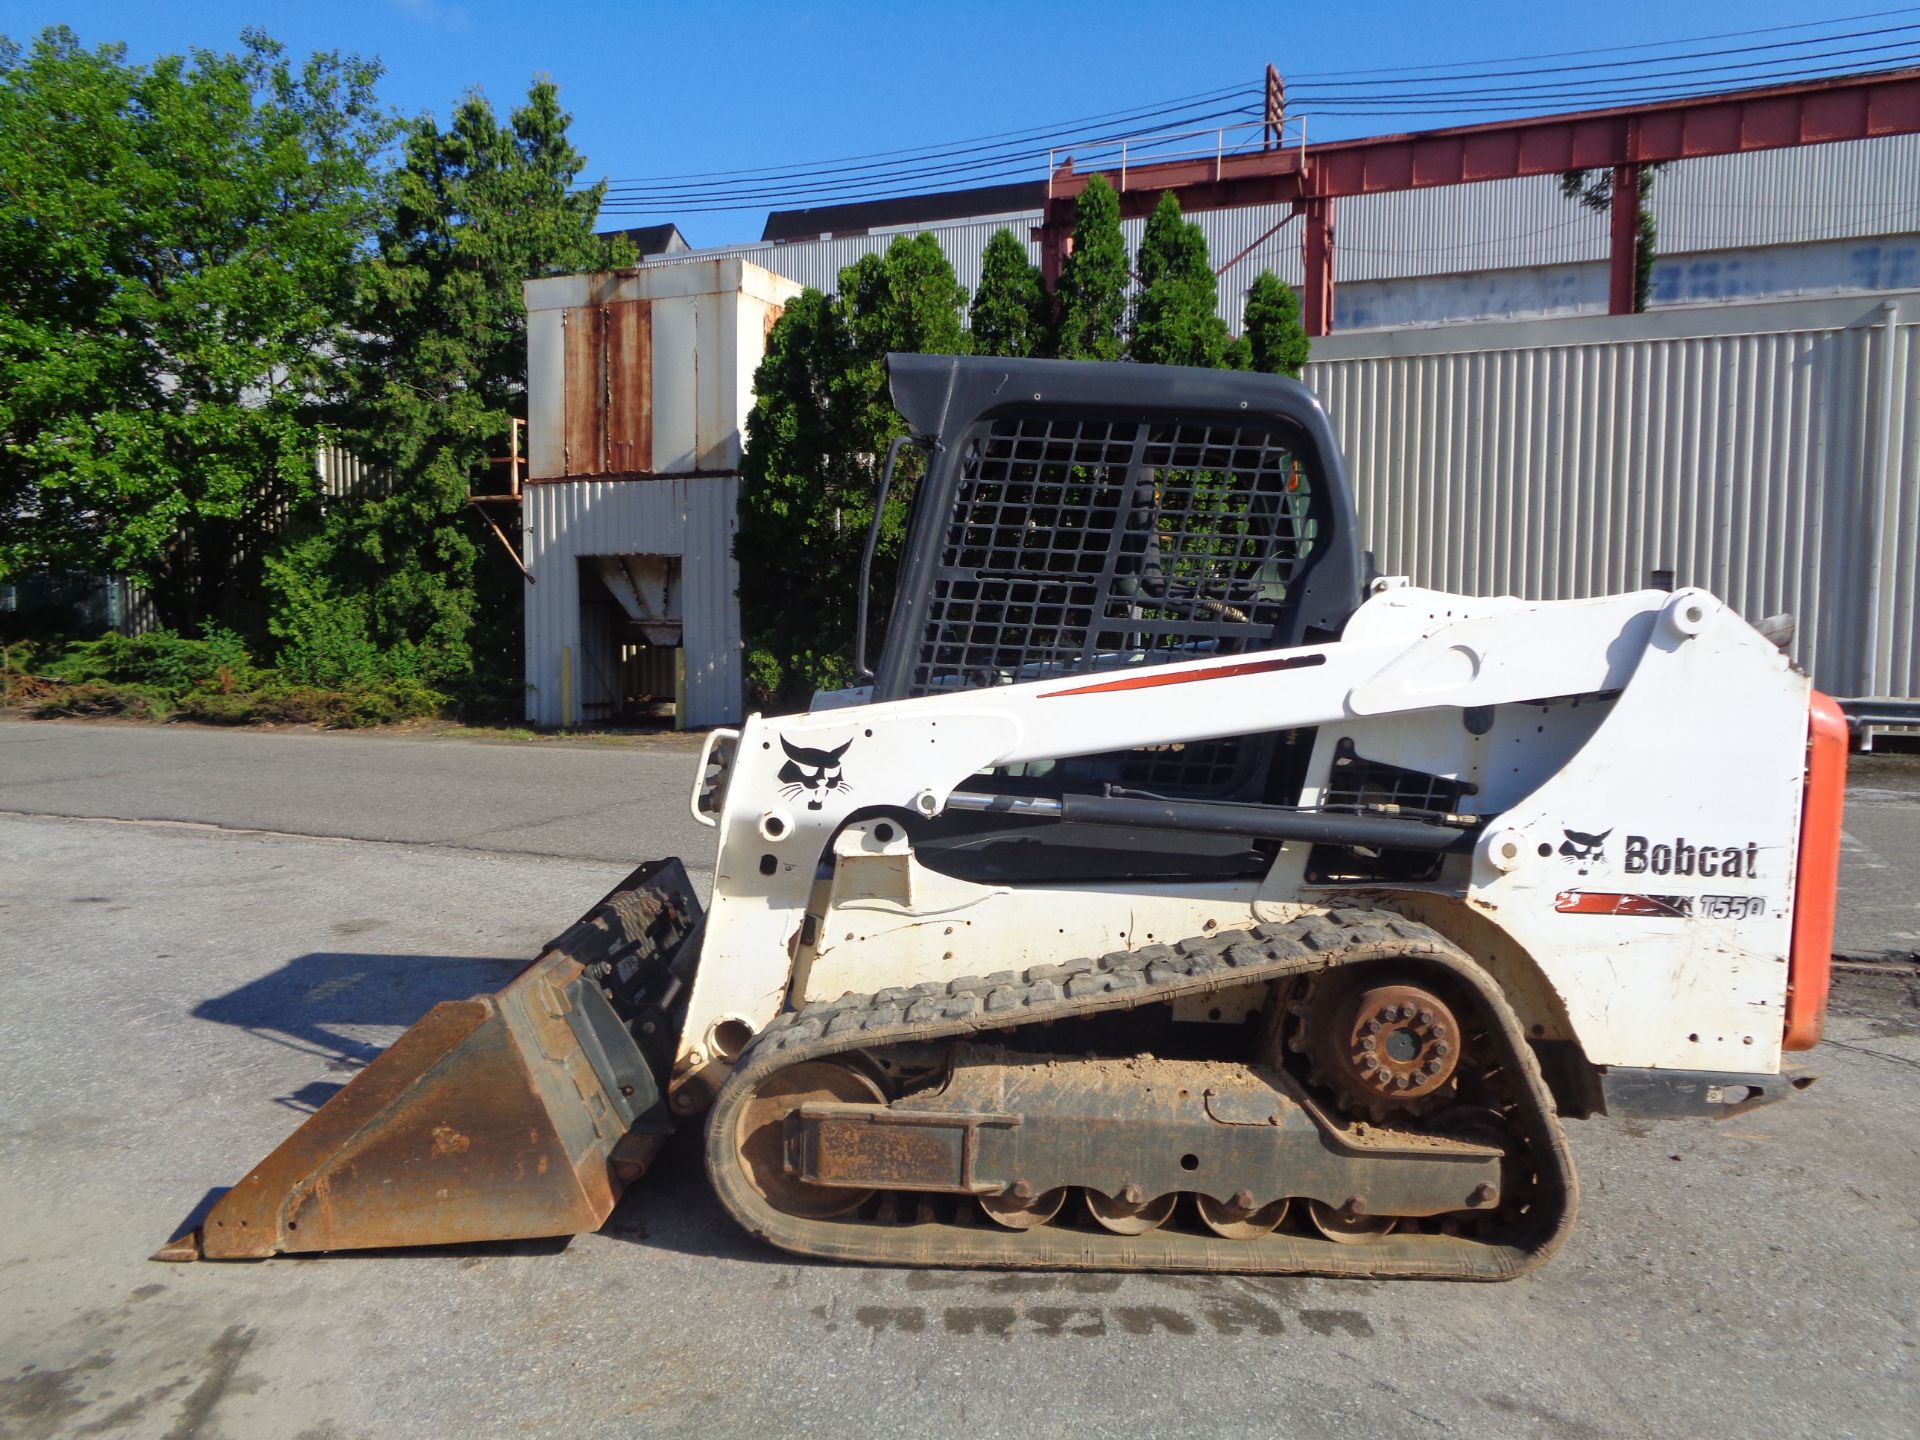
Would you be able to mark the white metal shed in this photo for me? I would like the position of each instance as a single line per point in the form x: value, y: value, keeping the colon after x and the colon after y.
x: 639, y: 383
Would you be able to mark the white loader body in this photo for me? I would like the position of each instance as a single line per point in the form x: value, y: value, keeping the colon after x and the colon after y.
x: 1644, y: 755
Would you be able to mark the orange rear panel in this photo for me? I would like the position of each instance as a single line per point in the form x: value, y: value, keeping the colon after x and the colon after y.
x: 1817, y: 879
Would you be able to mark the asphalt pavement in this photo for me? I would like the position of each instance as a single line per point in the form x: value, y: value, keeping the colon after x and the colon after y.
x: 207, y: 933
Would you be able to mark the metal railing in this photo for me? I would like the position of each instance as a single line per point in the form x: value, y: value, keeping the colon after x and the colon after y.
x: 1150, y: 146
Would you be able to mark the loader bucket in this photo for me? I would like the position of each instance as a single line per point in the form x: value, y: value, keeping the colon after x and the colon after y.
x: 508, y: 1116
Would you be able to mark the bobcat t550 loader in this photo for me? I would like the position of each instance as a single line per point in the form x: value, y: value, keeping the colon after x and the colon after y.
x: 1172, y: 896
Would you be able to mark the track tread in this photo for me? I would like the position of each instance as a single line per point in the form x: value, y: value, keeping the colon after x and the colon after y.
x: 1307, y: 944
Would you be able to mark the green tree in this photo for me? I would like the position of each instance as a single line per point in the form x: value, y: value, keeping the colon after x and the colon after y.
x: 1009, y: 314
x: 1593, y: 190
x: 177, y: 244
x: 1276, y: 341
x: 1092, y: 292
x: 817, y: 438
x: 407, y: 582
x: 1176, y: 320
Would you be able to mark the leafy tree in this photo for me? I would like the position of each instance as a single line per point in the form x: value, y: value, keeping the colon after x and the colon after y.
x: 1176, y: 320
x: 1093, y: 280
x: 177, y: 243
x: 1009, y: 314
x: 1276, y: 341
x: 396, y: 582
x: 817, y: 438
x: 1593, y: 190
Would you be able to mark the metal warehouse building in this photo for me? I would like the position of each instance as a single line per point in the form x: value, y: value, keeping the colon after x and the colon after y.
x: 1812, y: 220
x: 1757, y: 433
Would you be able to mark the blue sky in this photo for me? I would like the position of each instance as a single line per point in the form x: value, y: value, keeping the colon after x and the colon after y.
x: 663, y: 89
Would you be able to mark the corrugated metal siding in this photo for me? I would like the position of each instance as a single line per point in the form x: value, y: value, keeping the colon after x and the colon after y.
x: 1779, y: 466
x: 692, y: 517
x: 345, y: 477
x: 1774, y: 197
x: 1788, y: 197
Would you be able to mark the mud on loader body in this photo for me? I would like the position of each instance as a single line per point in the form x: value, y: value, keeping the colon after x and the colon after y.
x: 1171, y: 896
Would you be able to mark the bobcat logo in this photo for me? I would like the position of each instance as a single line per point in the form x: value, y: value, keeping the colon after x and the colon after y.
x: 1585, y: 848
x: 812, y: 773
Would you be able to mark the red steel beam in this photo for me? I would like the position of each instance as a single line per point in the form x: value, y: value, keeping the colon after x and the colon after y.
x: 1814, y: 112
x: 1623, y: 257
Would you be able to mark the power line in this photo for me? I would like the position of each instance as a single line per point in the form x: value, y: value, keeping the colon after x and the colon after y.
x: 1146, y: 110
x: 1407, y: 92
x: 981, y: 154
x: 1623, y: 64
x: 981, y: 170
x: 1518, y: 104
x: 1607, y: 83
x: 1621, y: 49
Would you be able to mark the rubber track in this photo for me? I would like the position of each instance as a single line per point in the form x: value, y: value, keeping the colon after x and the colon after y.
x: 1126, y: 980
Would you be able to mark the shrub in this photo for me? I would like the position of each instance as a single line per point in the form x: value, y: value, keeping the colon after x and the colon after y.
x: 19, y: 684
x: 135, y: 702
x: 211, y: 707
x: 162, y: 660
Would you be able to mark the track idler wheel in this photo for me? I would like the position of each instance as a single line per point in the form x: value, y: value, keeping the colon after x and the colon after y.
x: 1384, y: 1050
x: 1238, y: 1219
x: 1130, y: 1213
x: 762, y: 1137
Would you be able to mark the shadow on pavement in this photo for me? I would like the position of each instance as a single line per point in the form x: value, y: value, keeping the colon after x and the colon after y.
x: 347, y: 1008
x: 673, y: 1207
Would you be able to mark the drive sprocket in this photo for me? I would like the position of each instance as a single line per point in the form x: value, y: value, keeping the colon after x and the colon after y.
x: 1387, y: 1048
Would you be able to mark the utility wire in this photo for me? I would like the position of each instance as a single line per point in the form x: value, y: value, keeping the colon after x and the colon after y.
x: 1020, y: 165
x: 1618, y: 64
x: 1610, y: 83
x: 983, y: 156
x: 1517, y: 106
x: 1408, y: 91
x: 938, y: 149
x: 1621, y: 49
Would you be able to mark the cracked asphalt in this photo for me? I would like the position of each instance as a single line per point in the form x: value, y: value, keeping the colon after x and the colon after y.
x: 206, y: 933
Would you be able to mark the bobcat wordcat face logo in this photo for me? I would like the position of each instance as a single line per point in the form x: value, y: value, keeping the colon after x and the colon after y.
x: 1586, y: 848
x: 812, y: 773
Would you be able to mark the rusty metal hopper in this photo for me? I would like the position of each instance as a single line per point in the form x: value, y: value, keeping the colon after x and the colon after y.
x: 508, y: 1116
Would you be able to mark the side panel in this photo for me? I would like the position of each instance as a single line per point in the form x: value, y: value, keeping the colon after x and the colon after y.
x: 1818, y: 881
x: 1652, y: 878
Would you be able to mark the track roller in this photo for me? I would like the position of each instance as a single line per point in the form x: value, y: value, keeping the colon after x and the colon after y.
x: 1024, y: 1212
x: 1128, y: 1213
x: 1238, y: 1219
x: 1344, y: 1228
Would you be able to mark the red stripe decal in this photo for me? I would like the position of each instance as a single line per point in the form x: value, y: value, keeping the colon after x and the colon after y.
x: 1156, y: 679
x: 1599, y: 902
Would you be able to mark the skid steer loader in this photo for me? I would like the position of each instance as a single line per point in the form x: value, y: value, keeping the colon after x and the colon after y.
x: 1173, y: 895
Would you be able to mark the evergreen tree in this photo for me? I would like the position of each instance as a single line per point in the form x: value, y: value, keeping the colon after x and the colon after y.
x: 1176, y: 321
x: 817, y: 438
x: 1009, y: 311
x: 1093, y: 280
x: 1276, y: 341
x: 438, y: 372
x: 177, y: 249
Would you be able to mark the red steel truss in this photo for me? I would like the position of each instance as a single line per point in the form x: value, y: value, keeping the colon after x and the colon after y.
x: 1310, y: 178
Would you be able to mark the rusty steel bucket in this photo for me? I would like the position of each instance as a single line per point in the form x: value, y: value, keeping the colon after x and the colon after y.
x: 509, y: 1116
